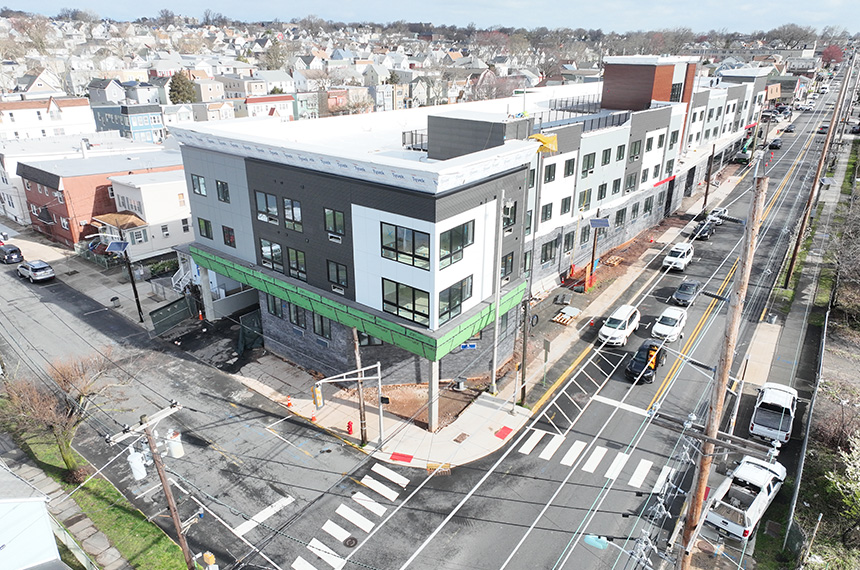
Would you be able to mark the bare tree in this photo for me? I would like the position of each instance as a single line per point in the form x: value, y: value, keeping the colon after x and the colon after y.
x: 792, y: 35
x: 165, y: 17
x: 58, y: 407
x: 276, y: 56
x: 36, y: 29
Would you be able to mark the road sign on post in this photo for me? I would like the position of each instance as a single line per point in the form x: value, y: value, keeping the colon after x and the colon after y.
x: 319, y: 401
x: 598, y: 223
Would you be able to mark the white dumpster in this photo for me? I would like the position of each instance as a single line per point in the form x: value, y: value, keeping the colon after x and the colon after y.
x: 174, y: 443
x: 138, y: 469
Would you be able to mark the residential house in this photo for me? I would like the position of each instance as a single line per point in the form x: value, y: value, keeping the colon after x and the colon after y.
x: 142, y: 93
x: 281, y: 106
x: 176, y: 114
x: 45, y: 118
x: 276, y: 79
x: 105, y: 91
x: 206, y: 90
x: 65, y: 195
x: 239, y: 87
x: 140, y: 123
x: 213, y: 111
x: 375, y: 75
x: 152, y: 213
x: 307, y: 106
x: 40, y: 84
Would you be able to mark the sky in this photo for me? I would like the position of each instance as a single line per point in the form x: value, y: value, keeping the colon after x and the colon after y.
x: 608, y: 15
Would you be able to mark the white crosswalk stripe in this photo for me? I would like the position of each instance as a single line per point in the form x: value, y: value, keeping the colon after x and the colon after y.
x: 361, y: 522
x: 640, y: 473
x: 338, y: 532
x: 665, y: 474
x: 572, y: 453
x: 617, y: 465
x: 594, y: 460
x: 328, y: 555
x: 392, y: 476
x: 369, y: 504
x: 380, y: 488
x: 552, y: 447
x: 532, y: 442
x: 302, y: 564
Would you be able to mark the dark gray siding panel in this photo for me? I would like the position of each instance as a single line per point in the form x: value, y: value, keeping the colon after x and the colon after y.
x: 448, y: 137
x: 569, y: 137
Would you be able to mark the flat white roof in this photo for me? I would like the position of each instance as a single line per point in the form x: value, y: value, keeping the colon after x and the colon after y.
x: 650, y: 59
x: 149, y: 178
x: 370, y: 146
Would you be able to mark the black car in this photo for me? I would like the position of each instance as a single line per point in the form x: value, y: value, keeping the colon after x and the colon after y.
x: 704, y: 230
x: 790, y: 128
x: 646, y: 360
x: 775, y: 143
x: 687, y: 292
x: 10, y: 254
x: 855, y: 129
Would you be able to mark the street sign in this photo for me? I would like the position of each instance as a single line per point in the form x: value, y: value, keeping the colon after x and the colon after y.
x: 599, y: 222
x: 469, y: 346
x: 117, y: 247
x: 319, y: 402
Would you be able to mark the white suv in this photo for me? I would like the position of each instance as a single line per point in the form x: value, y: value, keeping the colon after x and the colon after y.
x: 679, y: 257
x: 619, y: 326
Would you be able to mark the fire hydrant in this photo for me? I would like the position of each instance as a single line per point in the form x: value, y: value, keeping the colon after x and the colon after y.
x: 349, y: 428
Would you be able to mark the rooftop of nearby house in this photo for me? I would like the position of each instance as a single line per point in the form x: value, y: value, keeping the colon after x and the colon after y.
x: 107, y: 164
x: 145, y: 179
x: 100, y: 143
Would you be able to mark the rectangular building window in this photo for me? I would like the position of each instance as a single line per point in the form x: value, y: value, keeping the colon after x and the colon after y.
x: 607, y: 157
x: 223, y: 191
x: 670, y: 165
x: 634, y: 211
x: 527, y: 262
x: 365, y: 339
x: 619, y: 152
x: 549, y: 173
x: 205, y: 227
x: 620, y: 216
x: 569, y: 238
x: 271, y: 255
x: 661, y: 198
x: 675, y: 93
x: 545, y: 212
x: 509, y: 215
x: 267, y: 207
x: 584, y: 202
x: 635, y: 149
x: 322, y: 326
x: 186, y: 227
x: 451, y: 299
x: 644, y: 175
x: 649, y: 144
x: 406, y: 302
x: 276, y: 307
x: 565, y: 205
x: 656, y: 172
x: 569, y: 167
x: 601, y: 192
x: 531, y: 178
x: 297, y: 315
x: 507, y: 264
x: 661, y: 140
x: 296, y: 259
x: 406, y: 246
x: 616, y: 186
x: 229, y: 236
x: 587, y: 164
x: 547, y: 250
x: 529, y: 222
x: 293, y: 215
x: 334, y: 222
x: 337, y: 273
x: 453, y: 242
x: 584, y: 234
x: 648, y: 206
x: 198, y: 184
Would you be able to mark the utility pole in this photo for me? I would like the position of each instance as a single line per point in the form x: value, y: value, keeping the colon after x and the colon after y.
x: 718, y: 396
x: 708, y: 177
x: 131, y: 276
x: 171, y: 504
x: 362, y: 417
x: 590, y: 269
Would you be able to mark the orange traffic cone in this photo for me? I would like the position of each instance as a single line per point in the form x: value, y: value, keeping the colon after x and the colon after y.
x: 591, y: 322
x: 314, y: 416
x: 200, y: 315
x: 289, y: 402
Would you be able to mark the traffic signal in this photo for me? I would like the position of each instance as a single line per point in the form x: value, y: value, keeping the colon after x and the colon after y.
x: 652, y: 357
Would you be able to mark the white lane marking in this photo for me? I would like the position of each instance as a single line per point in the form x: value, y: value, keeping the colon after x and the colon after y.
x: 552, y: 447
x: 617, y: 465
x: 571, y: 455
x: 532, y: 441
x: 302, y: 564
x: 619, y: 405
x: 369, y: 504
x: 641, y: 472
x: 355, y: 518
x: 664, y: 476
x: 392, y: 476
x: 594, y: 460
x: 260, y: 517
x: 375, y: 485
x: 338, y: 532
x: 328, y: 555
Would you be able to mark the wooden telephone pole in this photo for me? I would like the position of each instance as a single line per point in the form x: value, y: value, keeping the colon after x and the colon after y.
x: 718, y: 396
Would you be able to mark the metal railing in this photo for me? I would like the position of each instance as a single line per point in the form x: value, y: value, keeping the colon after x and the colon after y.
x: 415, y: 140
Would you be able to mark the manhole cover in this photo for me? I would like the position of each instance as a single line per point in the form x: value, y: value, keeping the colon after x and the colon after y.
x: 461, y: 438
x: 350, y: 542
x: 72, y: 272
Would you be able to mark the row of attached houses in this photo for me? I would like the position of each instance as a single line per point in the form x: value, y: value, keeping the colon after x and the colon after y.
x: 399, y: 226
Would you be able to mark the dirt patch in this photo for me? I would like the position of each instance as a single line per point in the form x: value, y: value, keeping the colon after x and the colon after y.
x: 409, y: 401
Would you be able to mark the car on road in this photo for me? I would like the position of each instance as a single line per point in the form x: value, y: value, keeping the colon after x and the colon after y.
x: 616, y: 330
x: 855, y: 129
x: 773, y: 414
x: 822, y: 130
x: 741, y: 500
x: 669, y: 326
x: 775, y: 143
x: 704, y: 230
x: 36, y: 270
x: 790, y: 128
x: 648, y: 357
x: 716, y: 215
x: 686, y: 293
x: 10, y: 254
x: 679, y: 257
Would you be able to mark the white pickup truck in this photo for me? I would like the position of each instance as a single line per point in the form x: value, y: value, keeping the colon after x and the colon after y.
x: 741, y: 500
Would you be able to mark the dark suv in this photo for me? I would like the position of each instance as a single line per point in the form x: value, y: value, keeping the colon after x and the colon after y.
x: 10, y: 254
x: 645, y: 362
